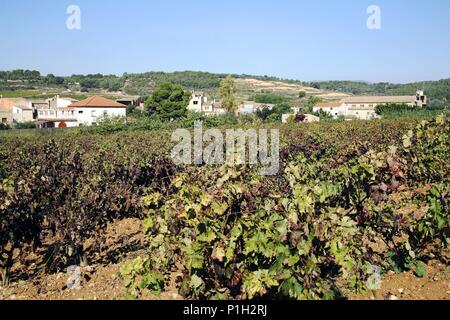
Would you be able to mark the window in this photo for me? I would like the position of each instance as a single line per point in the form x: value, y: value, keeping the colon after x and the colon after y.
x: 105, y: 113
x: 80, y: 112
x: 195, y: 102
x: 4, y: 120
x: 93, y: 113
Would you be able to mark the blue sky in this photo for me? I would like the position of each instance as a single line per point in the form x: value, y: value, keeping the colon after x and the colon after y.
x: 305, y: 40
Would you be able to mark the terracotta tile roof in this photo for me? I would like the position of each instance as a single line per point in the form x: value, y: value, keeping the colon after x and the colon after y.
x: 328, y: 104
x: 97, y: 102
x: 7, y: 104
x: 380, y: 99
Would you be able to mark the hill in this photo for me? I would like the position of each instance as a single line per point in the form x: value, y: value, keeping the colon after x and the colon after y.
x: 30, y: 83
x: 438, y: 91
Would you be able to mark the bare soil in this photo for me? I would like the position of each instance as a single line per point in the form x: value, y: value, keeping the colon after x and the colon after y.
x: 275, y: 86
x: 102, y: 281
x: 407, y: 286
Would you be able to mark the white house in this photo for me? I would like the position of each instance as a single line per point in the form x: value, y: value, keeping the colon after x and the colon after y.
x: 197, y: 101
x: 246, y: 108
x: 251, y: 107
x: 14, y: 110
x: 200, y: 102
x: 5, y: 117
x: 86, y: 112
x: 92, y: 110
x: 363, y: 107
x: 22, y: 113
x: 334, y: 108
x: 58, y: 102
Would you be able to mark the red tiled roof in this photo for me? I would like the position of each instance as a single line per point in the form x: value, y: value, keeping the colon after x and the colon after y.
x: 97, y: 102
x: 329, y: 104
x: 380, y: 99
x: 56, y: 119
x: 6, y: 104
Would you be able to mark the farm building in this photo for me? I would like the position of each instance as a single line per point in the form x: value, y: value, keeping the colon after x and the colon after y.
x: 22, y: 113
x: 86, y: 112
x: 363, y: 107
x: 200, y: 102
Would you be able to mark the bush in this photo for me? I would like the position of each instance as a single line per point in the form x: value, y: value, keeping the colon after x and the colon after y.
x: 68, y: 192
x: 299, y: 117
x: 5, y: 126
x: 236, y: 239
x: 25, y: 125
x: 393, y: 110
x: 106, y: 125
x: 269, y: 98
x: 303, y: 234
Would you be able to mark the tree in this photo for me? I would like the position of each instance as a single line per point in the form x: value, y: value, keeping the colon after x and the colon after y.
x: 51, y: 79
x: 323, y: 114
x: 89, y: 83
x: 169, y: 101
x: 59, y: 80
x: 227, y: 93
x: 312, y: 101
x: 111, y: 84
x: 274, y: 114
x: 264, y: 113
x: 302, y: 94
x: 315, y: 85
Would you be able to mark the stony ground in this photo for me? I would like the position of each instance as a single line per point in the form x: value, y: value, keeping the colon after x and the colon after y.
x: 407, y: 286
x: 103, y: 282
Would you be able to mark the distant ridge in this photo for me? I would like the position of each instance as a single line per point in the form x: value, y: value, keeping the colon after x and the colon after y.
x: 142, y: 84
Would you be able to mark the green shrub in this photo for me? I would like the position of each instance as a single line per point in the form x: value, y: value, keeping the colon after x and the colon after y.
x: 25, y: 125
x: 5, y: 126
x: 305, y: 233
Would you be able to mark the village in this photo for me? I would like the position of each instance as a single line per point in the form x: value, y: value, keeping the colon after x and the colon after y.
x: 63, y: 112
x: 224, y: 159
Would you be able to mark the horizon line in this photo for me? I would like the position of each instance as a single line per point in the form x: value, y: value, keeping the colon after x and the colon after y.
x: 225, y: 74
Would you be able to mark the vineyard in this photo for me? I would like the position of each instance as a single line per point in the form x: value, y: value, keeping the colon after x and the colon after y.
x: 350, y: 198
